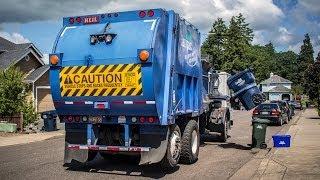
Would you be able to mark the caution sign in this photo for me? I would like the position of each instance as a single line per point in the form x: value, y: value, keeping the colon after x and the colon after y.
x: 101, y: 80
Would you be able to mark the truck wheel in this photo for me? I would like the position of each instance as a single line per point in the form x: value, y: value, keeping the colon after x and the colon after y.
x: 190, y: 143
x: 172, y: 155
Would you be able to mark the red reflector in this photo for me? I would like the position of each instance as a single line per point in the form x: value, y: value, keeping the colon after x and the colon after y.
x: 142, y: 119
x: 71, y: 20
x: 142, y: 14
x: 150, y: 13
x: 78, y: 19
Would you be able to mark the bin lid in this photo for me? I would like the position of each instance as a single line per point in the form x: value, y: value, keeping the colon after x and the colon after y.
x: 260, y: 120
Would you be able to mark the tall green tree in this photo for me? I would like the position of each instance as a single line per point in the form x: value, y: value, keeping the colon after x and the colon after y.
x: 318, y: 57
x: 238, y: 41
x: 305, y: 58
x: 312, y: 83
x: 213, y: 46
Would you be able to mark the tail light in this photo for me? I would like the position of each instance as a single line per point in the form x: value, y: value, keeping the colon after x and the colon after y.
x: 255, y: 112
x: 70, y: 119
x: 142, y: 119
x: 77, y: 118
x: 71, y: 20
x: 151, y: 119
x: 142, y: 14
x: 150, y: 13
x: 78, y: 19
x: 275, y: 112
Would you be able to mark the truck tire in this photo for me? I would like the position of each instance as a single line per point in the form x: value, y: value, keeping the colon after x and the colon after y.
x: 172, y: 156
x: 190, y: 143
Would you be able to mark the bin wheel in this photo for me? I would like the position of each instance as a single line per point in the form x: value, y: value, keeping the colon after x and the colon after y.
x: 224, y: 131
x: 171, y: 158
x: 263, y: 146
x: 280, y: 122
x: 190, y: 143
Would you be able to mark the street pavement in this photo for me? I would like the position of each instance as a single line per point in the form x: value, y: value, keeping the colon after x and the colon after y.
x: 44, y: 159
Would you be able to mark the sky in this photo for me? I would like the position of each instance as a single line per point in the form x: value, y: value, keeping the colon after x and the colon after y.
x: 282, y: 22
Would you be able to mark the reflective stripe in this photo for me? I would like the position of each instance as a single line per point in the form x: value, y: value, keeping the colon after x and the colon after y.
x: 127, y: 102
x: 108, y: 148
x: 68, y: 102
x: 150, y: 102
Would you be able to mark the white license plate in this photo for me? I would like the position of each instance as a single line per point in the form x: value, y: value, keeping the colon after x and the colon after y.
x: 97, y: 119
x: 121, y: 119
x: 265, y: 113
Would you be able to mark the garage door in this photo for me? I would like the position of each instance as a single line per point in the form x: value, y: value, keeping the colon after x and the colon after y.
x: 44, y: 99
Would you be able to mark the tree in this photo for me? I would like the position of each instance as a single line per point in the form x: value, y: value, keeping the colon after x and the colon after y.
x: 238, y: 41
x: 305, y: 58
x: 318, y: 57
x: 12, y: 92
x: 312, y: 83
x: 213, y: 46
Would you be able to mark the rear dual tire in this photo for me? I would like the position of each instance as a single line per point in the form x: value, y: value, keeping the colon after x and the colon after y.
x: 190, y: 143
x: 172, y: 155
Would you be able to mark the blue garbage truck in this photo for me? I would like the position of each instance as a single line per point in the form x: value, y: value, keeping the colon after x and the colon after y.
x: 133, y: 83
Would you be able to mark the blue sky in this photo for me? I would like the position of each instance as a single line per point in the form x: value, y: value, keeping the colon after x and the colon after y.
x: 283, y: 22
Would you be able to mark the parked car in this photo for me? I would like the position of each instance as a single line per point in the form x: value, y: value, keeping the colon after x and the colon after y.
x: 285, y: 106
x: 272, y: 112
x: 297, y: 104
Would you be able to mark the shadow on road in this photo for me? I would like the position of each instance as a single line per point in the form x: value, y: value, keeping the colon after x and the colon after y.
x: 235, y: 146
x: 122, y: 167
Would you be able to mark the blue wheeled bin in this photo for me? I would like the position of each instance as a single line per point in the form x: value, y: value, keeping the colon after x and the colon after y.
x: 244, y: 87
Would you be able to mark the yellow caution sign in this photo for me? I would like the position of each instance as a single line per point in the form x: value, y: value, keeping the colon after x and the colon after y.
x: 101, y: 80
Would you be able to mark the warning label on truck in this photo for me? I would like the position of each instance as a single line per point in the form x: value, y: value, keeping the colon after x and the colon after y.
x: 101, y: 80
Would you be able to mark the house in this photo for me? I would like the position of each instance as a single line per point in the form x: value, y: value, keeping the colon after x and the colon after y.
x: 28, y: 59
x: 276, y: 88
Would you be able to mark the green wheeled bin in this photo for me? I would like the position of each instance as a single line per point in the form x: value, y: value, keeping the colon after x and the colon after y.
x: 259, y: 128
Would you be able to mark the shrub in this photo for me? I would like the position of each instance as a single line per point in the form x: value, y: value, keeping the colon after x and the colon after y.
x: 29, y: 114
x: 12, y: 92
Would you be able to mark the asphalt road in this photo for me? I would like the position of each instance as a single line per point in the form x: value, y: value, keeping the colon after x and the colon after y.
x: 44, y: 160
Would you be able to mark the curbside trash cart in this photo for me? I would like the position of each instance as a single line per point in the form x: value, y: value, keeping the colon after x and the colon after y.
x: 49, y: 120
x: 245, y: 88
x: 259, y: 128
x: 281, y: 140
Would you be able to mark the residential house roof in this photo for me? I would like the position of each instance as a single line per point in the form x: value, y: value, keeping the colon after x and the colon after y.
x: 280, y: 89
x: 11, y: 53
x: 36, y: 74
x: 275, y: 79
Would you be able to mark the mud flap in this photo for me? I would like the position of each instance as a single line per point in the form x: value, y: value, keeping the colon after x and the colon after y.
x: 78, y: 155
x: 155, y: 155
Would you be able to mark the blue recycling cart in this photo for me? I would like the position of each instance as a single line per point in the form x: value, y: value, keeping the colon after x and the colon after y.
x: 281, y: 140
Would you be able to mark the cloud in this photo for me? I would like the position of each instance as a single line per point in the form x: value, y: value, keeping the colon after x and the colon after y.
x: 311, y: 5
x: 23, y: 11
x: 45, y: 58
x: 14, y: 37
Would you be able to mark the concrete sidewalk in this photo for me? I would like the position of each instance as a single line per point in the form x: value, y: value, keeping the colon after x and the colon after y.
x: 300, y: 161
x: 28, y: 138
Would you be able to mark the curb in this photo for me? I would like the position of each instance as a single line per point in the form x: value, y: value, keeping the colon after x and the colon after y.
x: 257, y: 165
x: 29, y: 138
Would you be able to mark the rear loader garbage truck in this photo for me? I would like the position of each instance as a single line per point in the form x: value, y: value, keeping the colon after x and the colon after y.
x: 132, y: 83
